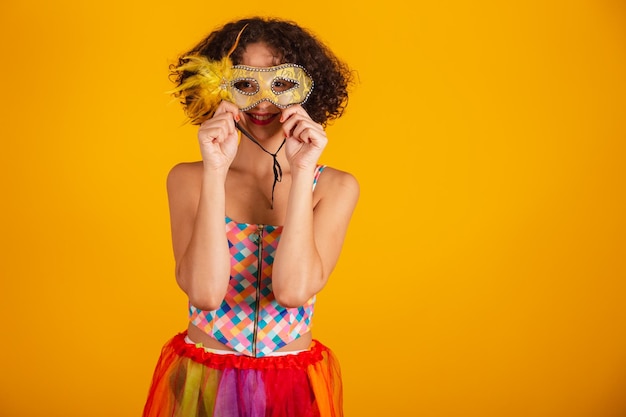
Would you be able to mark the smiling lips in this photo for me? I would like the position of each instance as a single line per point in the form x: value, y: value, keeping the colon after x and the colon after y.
x: 262, y: 119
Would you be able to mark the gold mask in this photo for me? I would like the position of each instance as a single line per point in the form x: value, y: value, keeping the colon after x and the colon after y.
x: 282, y: 85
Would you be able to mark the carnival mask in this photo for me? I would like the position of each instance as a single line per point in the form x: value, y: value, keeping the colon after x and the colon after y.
x: 282, y: 85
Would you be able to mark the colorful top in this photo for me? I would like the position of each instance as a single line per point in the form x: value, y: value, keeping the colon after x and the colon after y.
x: 249, y: 320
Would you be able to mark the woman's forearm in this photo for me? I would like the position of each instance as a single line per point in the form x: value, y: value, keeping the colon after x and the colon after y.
x: 298, y: 273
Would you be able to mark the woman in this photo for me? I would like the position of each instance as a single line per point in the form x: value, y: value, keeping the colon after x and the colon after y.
x: 257, y: 226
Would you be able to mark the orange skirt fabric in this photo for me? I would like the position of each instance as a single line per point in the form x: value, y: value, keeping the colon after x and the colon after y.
x: 191, y: 382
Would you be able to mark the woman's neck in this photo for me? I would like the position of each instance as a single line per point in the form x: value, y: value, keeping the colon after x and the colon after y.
x: 257, y: 156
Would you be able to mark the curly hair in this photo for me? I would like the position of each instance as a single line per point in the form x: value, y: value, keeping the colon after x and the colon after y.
x: 293, y: 44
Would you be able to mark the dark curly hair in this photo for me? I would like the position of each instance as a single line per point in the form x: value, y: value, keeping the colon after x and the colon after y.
x: 293, y: 44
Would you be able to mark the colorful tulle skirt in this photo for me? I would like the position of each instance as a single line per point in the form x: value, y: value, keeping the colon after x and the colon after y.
x: 191, y: 382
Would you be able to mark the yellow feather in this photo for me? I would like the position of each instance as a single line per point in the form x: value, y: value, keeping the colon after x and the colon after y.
x: 208, y: 85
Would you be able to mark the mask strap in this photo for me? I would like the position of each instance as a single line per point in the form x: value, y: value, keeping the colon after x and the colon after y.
x: 278, y: 171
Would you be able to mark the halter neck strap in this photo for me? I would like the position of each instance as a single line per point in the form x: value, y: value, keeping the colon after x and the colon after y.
x: 278, y: 171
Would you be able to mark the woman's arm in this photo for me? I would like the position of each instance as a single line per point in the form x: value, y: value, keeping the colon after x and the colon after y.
x: 198, y: 234
x: 197, y: 205
x: 312, y: 237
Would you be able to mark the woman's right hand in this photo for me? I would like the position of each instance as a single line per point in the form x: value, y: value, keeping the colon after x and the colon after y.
x: 218, y: 137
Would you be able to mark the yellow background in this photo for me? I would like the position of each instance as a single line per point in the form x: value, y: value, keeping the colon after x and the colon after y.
x: 484, y: 271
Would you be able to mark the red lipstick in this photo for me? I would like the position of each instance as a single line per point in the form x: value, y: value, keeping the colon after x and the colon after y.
x: 261, y: 119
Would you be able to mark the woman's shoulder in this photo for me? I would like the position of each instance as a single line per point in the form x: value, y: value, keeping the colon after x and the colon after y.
x: 336, y: 180
x: 337, y: 175
x: 184, y: 173
x: 182, y: 169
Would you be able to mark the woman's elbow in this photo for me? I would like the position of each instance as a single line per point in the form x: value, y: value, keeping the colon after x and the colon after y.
x: 202, y: 297
x: 206, y: 302
x: 292, y: 298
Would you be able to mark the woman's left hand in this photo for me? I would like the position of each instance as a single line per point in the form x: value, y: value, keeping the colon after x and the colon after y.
x: 305, y: 139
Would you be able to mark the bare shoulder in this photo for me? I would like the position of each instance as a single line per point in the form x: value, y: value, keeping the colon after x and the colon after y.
x: 338, y: 186
x: 184, y: 175
x: 333, y: 180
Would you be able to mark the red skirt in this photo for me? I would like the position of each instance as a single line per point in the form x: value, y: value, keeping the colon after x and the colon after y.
x: 190, y: 382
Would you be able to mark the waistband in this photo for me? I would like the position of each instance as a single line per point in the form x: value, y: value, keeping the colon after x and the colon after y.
x: 292, y: 360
